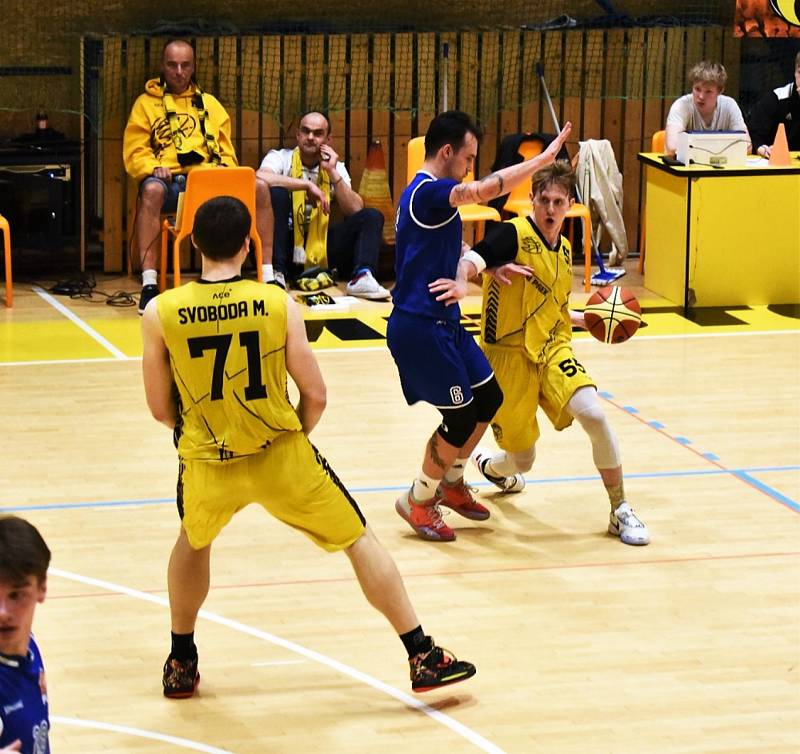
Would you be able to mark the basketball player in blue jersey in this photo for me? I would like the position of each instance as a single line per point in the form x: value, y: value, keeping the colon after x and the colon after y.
x: 527, y: 337
x: 216, y: 357
x: 24, y: 718
x: 438, y: 361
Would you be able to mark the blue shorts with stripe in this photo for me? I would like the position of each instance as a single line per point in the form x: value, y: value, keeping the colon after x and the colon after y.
x: 438, y: 360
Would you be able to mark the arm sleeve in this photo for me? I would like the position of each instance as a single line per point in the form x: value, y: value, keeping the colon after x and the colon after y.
x: 137, y: 152
x: 499, y: 246
x: 227, y: 152
x: 678, y: 115
x: 273, y: 160
x: 431, y: 201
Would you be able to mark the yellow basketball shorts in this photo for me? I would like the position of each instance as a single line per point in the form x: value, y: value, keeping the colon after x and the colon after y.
x: 290, y: 479
x: 527, y: 385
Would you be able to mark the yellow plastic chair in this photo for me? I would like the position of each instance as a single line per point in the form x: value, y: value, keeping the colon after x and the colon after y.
x: 519, y: 203
x: 6, y: 228
x: 203, y: 184
x: 470, y: 213
x: 657, y: 145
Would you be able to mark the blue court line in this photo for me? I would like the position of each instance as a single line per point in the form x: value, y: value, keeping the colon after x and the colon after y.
x: 774, y: 494
x: 743, y: 474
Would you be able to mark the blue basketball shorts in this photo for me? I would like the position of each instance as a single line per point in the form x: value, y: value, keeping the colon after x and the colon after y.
x: 438, y: 360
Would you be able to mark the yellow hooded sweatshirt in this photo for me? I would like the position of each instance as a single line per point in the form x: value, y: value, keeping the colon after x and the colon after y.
x: 147, y: 143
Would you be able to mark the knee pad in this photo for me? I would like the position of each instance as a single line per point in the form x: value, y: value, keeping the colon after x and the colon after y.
x: 458, y: 424
x: 586, y: 409
x: 488, y: 398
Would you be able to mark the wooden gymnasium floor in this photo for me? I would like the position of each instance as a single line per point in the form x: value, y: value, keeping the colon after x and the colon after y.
x: 582, y: 644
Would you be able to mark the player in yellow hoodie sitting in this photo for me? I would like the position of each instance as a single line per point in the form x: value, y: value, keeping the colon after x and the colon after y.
x: 174, y: 127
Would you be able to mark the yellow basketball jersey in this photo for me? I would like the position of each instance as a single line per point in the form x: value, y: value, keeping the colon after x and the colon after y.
x: 532, y: 313
x: 227, y: 345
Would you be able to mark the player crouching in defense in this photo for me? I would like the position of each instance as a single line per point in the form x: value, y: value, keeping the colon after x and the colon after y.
x: 527, y: 334
x: 216, y: 357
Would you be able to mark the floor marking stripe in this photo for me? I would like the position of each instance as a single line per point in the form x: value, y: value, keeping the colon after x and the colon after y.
x: 379, y: 489
x: 72, y: 317
x: 310, y: 654
x: 96, y: 725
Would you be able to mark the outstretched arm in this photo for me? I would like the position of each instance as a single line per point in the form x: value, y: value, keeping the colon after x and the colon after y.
x: 504, y: 180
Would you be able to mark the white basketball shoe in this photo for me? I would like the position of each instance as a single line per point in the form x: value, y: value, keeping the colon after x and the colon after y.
x: 481, y: 457
x: 626, y: 525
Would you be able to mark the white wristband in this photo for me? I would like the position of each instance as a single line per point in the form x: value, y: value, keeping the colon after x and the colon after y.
x: 476, y: 259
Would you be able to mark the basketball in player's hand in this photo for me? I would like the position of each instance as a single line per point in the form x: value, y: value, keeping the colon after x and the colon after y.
x: 612, y: 314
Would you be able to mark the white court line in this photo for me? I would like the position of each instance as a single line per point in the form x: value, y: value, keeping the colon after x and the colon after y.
x: 183, y: 742
x: 457, y: 727
x: 92, y: 333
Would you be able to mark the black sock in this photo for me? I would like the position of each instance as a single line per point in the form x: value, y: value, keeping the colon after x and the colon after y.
x: 415, y: 641
x: 183, y: 647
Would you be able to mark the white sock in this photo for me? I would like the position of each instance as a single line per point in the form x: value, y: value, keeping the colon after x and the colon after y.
x: 149, y: 277
x: 456, y: 472
x: 267, y: 275
x: 424, y: 488
x: 501, y: 464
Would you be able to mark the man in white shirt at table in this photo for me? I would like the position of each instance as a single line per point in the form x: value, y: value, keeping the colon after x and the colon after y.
x: 706, y: 108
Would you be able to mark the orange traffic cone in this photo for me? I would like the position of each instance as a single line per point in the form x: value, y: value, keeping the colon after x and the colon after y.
x: 374, y: 188
x: 779, y: 156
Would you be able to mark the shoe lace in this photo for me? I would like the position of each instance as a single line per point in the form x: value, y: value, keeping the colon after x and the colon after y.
x: 435, y: 516
x: 630, y: 519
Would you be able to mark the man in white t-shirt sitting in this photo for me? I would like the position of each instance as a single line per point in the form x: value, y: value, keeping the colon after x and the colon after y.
x: 302, y: 182
x: 706, y: 108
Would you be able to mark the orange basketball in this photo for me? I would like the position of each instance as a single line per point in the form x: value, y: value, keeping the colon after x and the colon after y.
x: 612, y: 314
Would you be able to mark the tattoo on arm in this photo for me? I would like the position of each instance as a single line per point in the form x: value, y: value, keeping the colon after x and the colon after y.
x: 433, y: 444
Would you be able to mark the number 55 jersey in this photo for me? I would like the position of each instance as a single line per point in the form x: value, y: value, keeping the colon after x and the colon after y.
x: 227, y: 347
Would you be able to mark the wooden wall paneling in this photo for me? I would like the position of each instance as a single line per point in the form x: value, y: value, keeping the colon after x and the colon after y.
x: 632, y: 135
x: 467, y: 84
x: 338, y: 78
x: 380, y: 91
x: 137, y: 71
x: 403, y: 105
x: 530, y: 96
x: 291, y: 89
x: 695, y: 50
x: 613, y: 91
x: 113, y: 168
x: 712, y: 49
x: 509, y: 84
x: 674, y: 69
x: 448, y: 72
x: 358, y: 128
x: 731, y: 59
x: 427, y: 55
x: 553, y: 63
x: 654, y: 73
x: 592, y: 84
x: 271, y: 94
x: 316, y: 69
x: 250, y: 144
x: 488, y: 99
x: 229, y: 91
x: 572, y: 75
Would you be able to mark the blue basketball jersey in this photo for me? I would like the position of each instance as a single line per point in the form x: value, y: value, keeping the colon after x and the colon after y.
x: 428, y: 246
x: 23, y: 702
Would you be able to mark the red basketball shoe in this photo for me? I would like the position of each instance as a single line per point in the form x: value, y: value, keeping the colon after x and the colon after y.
x: 459, y: 497
x: 425, y: 520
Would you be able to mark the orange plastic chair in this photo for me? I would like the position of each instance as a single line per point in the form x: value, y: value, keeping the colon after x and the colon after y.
x: 519, y: 203
x: 470, y: 213
x: 657, y: 145
x: 6, y: 228
x: 203, y: 184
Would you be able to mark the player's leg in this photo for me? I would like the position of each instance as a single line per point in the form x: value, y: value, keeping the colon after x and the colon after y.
x: 515, y: 424
x: 431, y: 666
x: 265, y: 222
x: 440, y: 378
x: 207, y: 499
x: 623, y: 522
x: 153, y: 194
x: 453, y: 492
x: 298, y: 486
